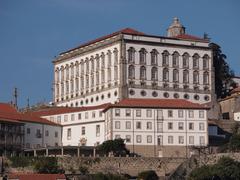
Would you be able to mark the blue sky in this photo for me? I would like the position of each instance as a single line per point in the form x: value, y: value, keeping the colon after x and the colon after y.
x: 32, y: 32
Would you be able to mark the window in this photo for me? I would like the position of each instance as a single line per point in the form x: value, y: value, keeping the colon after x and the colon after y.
x: 69, y: 133
x: 128, y: 112
x: 159, y: 140
x: 138, y: 125
x: 180, y: 126
x: 205, y: 61
x: 195, y: 61
x: 154, y: 73
x: 170, y: 125
x: 202, y: 140
x: 149, y: 113
x: 128, y: 124
x: 195, y: 77
x: 201, y: 127
x: 93, y: 114
x: 149, y: 139
x: 175, y: 59
x: 142, y: 73
x: 65, y: 118
x: 79, y: 116
x: 180, y: 139
x: 165, y: 74
x: 83, y: 130
x: 165, y: 58
x: 100, y: 114
x: 185, y: 59
x: 131, y: 55
x: 138, y: 113
x: 128, y: 138
x: 46, y: 133
x: 139, y: 138
x: 201, y: 114
x: 190, y: 114
x: 56, y: 134
x: 59, y: 119
x: 205, y: 78
x: 117, y: 112
x: 142, y: 56
x: 180, y: 113
x: 154, y: 54
x: 72, y: 117
x: 170, y: 139
x: 191, y: 139
x: 117, y: 136
x: 149, y: 125
x: 175, y: 75
x: 131, y: 72
x: 28, y: 131
x: 191, y: 126
x: 86, y: 115
x: 170, y: 113
x: 185, y: 76
x: 97, y: 130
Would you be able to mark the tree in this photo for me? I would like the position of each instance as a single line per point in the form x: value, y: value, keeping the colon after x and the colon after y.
x: 48, y: 165
x: 117, y: 146
x: 148, y: 175
x: 223, y: 73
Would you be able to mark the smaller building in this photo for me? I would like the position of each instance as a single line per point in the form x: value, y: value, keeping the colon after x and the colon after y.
x: 158, y: 127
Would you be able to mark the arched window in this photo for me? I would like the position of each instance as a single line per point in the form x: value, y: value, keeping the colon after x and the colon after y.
x: 72, y: 86
x: 77, y: 68
x: 185, y: 60
x: 62, y: 73
x: 115, y: 73
x: 195, y: 77
x: 205, y: 62
x: 57, y: 90
x: 97, y: 62
x: 82, y: 67
x: 165, y: 58
x: 92, y: 64
x: 154, y: 74
x: 57, y: 77
x: 103, y: 76
x: 77, y: 84
x: 131, y: 72
x: 92, y: 80
x: 154, y: 57
x: 103, y: 60
x: 142, y: 73
x: 97, y: 78
x: 185, y: 76
x: 67, y: 87
x: 142, y: 56
x: 175, y: 59
x: 67, y: 72
x: 87, y: 81
x: 131, y: 55
x: 62, y: 89
x: 195, y: 61
x: 205, y: 78
x: 109, y: 54
x: 72, y: 70
x: 87, y: 65
x: 165, y: 74
x: 109, y: 75
x: 175, y: 75
x: 115, y: 52
x: 82, y: 82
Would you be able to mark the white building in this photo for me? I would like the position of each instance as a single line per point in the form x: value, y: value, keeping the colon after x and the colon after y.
x: 132, y: 64
x: 154, y: 127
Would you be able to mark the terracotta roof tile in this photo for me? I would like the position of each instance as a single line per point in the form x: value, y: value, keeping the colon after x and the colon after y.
x: 5, y: 107
x: 37, y: 176
x: 158, y: 103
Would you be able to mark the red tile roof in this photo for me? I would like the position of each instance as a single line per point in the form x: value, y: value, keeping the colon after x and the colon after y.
x: 190, y: 37
x: 63, y: 110
x: 9, y: 114
x: 123, y: 31
x: 36, y: 177
x: 157, y: 103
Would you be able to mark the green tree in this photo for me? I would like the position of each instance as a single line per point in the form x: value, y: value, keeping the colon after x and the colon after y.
x: 117, y: 146
x: 47, y: 165
x: 223, y: 73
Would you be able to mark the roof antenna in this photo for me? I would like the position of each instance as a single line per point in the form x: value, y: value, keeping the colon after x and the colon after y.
x: 28, y: 104
x: 15, y: 96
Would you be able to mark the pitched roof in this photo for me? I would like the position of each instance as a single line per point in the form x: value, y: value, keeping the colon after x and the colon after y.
x: 122, y: 31
x: 63, y: 110
x: 157, y: 103
x: 36, y: 176
x: 190, y: 37
x: 9, y: 114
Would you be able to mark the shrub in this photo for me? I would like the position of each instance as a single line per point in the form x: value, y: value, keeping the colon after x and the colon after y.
x: 83, y: 170
x: 47, y: 165
x: 148, y: 175
x: 20, y: 161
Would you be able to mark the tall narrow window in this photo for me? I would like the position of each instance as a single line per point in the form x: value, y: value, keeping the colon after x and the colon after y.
x: 131, y: 55
x: 69, y: 133
x: 142, y: 73
x: 109, y: 54
x: 165, y: 74
x: 154, y: 56
x: 142, y: 56
x: 175, y: 75
x: 109, y: 75
x: 205, y: 78
x: 154, y: 73
x: 103, y: 76
x: 185, y: 76
x: 205, y: 62
x: 97, y: 62
x: 115, y: 52
x: 62, y: 73
x: 195, y: 77
x: 72, y: 70
x: 67, y: 72
x: 131, y: 72
x: 185, y: 60
x: 97, y: 130
x: 195, y: 61
x: 97, y: 78
x: 102, y: 60
x: 165, y: 58
x: 115, y: 73
x: 57, y: 78
x: 175, y: 59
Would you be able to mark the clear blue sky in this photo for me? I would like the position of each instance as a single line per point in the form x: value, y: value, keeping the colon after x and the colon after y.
x: 32, y: 32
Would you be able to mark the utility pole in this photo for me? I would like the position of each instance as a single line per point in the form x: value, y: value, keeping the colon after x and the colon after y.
x: 15, y: 96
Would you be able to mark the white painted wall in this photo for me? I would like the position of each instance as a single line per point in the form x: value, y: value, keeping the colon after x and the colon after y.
x: 237, y: 116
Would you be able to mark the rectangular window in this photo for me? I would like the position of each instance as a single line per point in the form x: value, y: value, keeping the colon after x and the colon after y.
x: 117, y: 136
x: 100, y: 113
x: 86, y: 115
x: 190, y: 114
x: 149, y: 139
x: 201, y: 114
x: 69, y: 133
x: 28, y: 131
x: 56, y: 134
x: 201, y: 127
x: 170, y: 139
x: 202, y: 140
x: 180, y: 139
x: 170, y: 125
x: 191, y: 139
x: 65, y: 118
x: 139, y: 138
x: 149, y: 125
x: 93, y: 114
x: 128, y: 112
x: 38, y: 133
x: 58, y: 119
x: 149, y: 113
x: 79, y: 116
x: 83, y: 130
x: 128, y: 124
x: 46, y: 133
x: 128, y: 138
x: 117, y: 112
x: 191, y: 126
x: 180, y: 126
x: 180, y: 113
x: 117, y: 124
x: 138, y: 113
x: 159, y: 126
x: 72, y: 117
x: 170, y: 113
x: 97, y: 130
x: 138, y: 125
x: 160, y: 140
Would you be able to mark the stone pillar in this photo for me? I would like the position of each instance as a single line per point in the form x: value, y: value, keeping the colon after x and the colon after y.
x: 78, y: 152
x: 34, y: 152
x: 46, y: 151
x: 62, y: 151
x: 94, y: 152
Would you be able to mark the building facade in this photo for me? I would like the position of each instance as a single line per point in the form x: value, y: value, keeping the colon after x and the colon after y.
x: 131, y: 64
